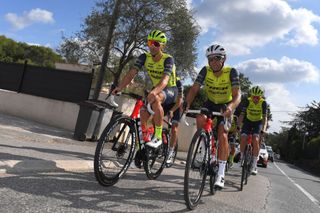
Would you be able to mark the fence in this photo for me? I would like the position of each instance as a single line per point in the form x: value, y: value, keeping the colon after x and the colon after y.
x: 45, y: 82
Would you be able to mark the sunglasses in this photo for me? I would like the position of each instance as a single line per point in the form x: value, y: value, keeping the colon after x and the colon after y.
x: 256, y: 97
x: 216, y: 58
x: 154, y: 43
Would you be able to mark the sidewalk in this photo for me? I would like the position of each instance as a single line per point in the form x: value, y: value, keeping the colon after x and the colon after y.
x: 28, y: 146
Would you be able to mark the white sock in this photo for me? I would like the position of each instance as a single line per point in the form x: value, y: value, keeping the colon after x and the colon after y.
x: 222, y: 167
x: 254, y: 163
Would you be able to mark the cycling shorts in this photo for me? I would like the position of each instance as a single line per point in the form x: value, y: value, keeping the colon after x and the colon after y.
x: 176, y: 114
x: 215, y: 108
x: 251, y: 127
x: 170, y: 95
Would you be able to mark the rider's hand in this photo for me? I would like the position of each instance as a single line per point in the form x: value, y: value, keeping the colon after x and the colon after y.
x: 151, y: 97
x: 115, y: 91
x: 170, y: 114
x: 228, y: 112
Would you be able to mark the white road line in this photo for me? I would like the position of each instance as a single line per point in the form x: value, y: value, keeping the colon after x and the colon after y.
x: 314, y: 200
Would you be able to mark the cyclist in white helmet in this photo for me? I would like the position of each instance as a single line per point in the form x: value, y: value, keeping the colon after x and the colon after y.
x: 222, y: 87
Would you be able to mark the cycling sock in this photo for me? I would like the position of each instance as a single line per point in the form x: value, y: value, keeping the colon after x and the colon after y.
x: 222, y: 167
x: 254, y: 163
x: 158, y: 132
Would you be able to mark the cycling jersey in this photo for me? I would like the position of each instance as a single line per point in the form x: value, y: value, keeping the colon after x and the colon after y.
x: 255, y: 112
x: 218, y: 89
x: 156, y: 70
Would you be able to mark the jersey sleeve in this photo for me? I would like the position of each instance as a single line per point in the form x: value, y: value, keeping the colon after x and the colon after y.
x: 244, y: 106
x: 264, y: 108
x: 180, y: 88
x: 139, y: 63
x: 234, y: 78
x: 201, y: 76
x: 168, y: 66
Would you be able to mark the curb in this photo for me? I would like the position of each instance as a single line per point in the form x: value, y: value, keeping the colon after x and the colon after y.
x: 20, y: 166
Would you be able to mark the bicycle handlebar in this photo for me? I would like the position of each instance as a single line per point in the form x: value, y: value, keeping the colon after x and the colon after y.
x: 135, y: 96
x: 227, y: 122
x: 112, y: 102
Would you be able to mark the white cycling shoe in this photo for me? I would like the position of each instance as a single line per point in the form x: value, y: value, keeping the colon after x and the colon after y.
x: 170, y: 157
x: 220, y: 181
x: 254, y: 171
x: 154, y: 143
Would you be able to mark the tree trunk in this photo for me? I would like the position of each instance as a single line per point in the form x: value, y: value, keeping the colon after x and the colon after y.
x: 105, y: 56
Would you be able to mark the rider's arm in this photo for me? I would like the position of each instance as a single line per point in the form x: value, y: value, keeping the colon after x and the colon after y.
x: 265, y: 118
x: 244, y: 106
x: 177, y: 104
x: 236, y: 94
x: 196, y: 86
x: 131, y: 74
x: 179, y: 98
x: 127, y: 78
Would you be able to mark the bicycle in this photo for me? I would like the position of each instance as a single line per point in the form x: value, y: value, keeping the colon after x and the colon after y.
x: 202, y: 149
x: 116, y: 147
x: 246, y: 162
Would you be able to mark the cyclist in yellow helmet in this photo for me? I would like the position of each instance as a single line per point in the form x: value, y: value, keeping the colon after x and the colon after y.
x: 222, y: 87
x: 162, y: 72
x: 253, y: 120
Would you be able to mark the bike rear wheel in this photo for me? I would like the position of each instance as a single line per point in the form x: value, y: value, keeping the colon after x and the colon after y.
x: 196, y: 169
x: 155, y: 159
x: 114, y: 151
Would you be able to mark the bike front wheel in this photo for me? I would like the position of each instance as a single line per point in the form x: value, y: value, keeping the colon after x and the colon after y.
x: 114, y: 151
x: 155, y: 159
x: 196, y: 169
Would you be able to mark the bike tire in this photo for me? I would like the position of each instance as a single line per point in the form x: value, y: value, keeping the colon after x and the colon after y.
x: 192, y: 195
x: 155, y: 159
x: 245, y: 167
x: 114, y: 151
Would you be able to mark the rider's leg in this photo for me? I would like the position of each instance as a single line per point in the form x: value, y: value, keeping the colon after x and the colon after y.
x: 222, y: 154
x: 255, y: 150
x: 144, y: 117
x: 243, y: 143
x: 158, y: 116
x: 174, y: 135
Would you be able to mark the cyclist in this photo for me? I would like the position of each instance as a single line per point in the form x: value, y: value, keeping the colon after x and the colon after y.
x: 253, y: 120
x: 162, y: 72
x: 175, y: 115
x: 222, y: 87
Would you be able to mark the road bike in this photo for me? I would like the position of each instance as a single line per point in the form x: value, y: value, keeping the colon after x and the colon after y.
x: 117, y: 145
x: 202, y: 149
x: 246, y: 162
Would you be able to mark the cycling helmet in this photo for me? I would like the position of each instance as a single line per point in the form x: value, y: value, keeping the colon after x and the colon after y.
x: 256, y: 91
x: 215, y: 49
x: 157, y: 35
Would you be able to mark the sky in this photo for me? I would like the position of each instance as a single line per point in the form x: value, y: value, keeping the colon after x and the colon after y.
x: 273, y: 42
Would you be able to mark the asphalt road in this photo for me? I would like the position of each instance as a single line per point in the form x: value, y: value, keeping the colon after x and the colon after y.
x: 42, y: 169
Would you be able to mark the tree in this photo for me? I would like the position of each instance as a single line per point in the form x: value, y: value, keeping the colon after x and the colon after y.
x: 18, y: 52
x: 137, y: 18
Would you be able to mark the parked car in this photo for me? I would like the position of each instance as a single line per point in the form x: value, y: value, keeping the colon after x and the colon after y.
x: 263, y: 156
x: 270, y: 153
